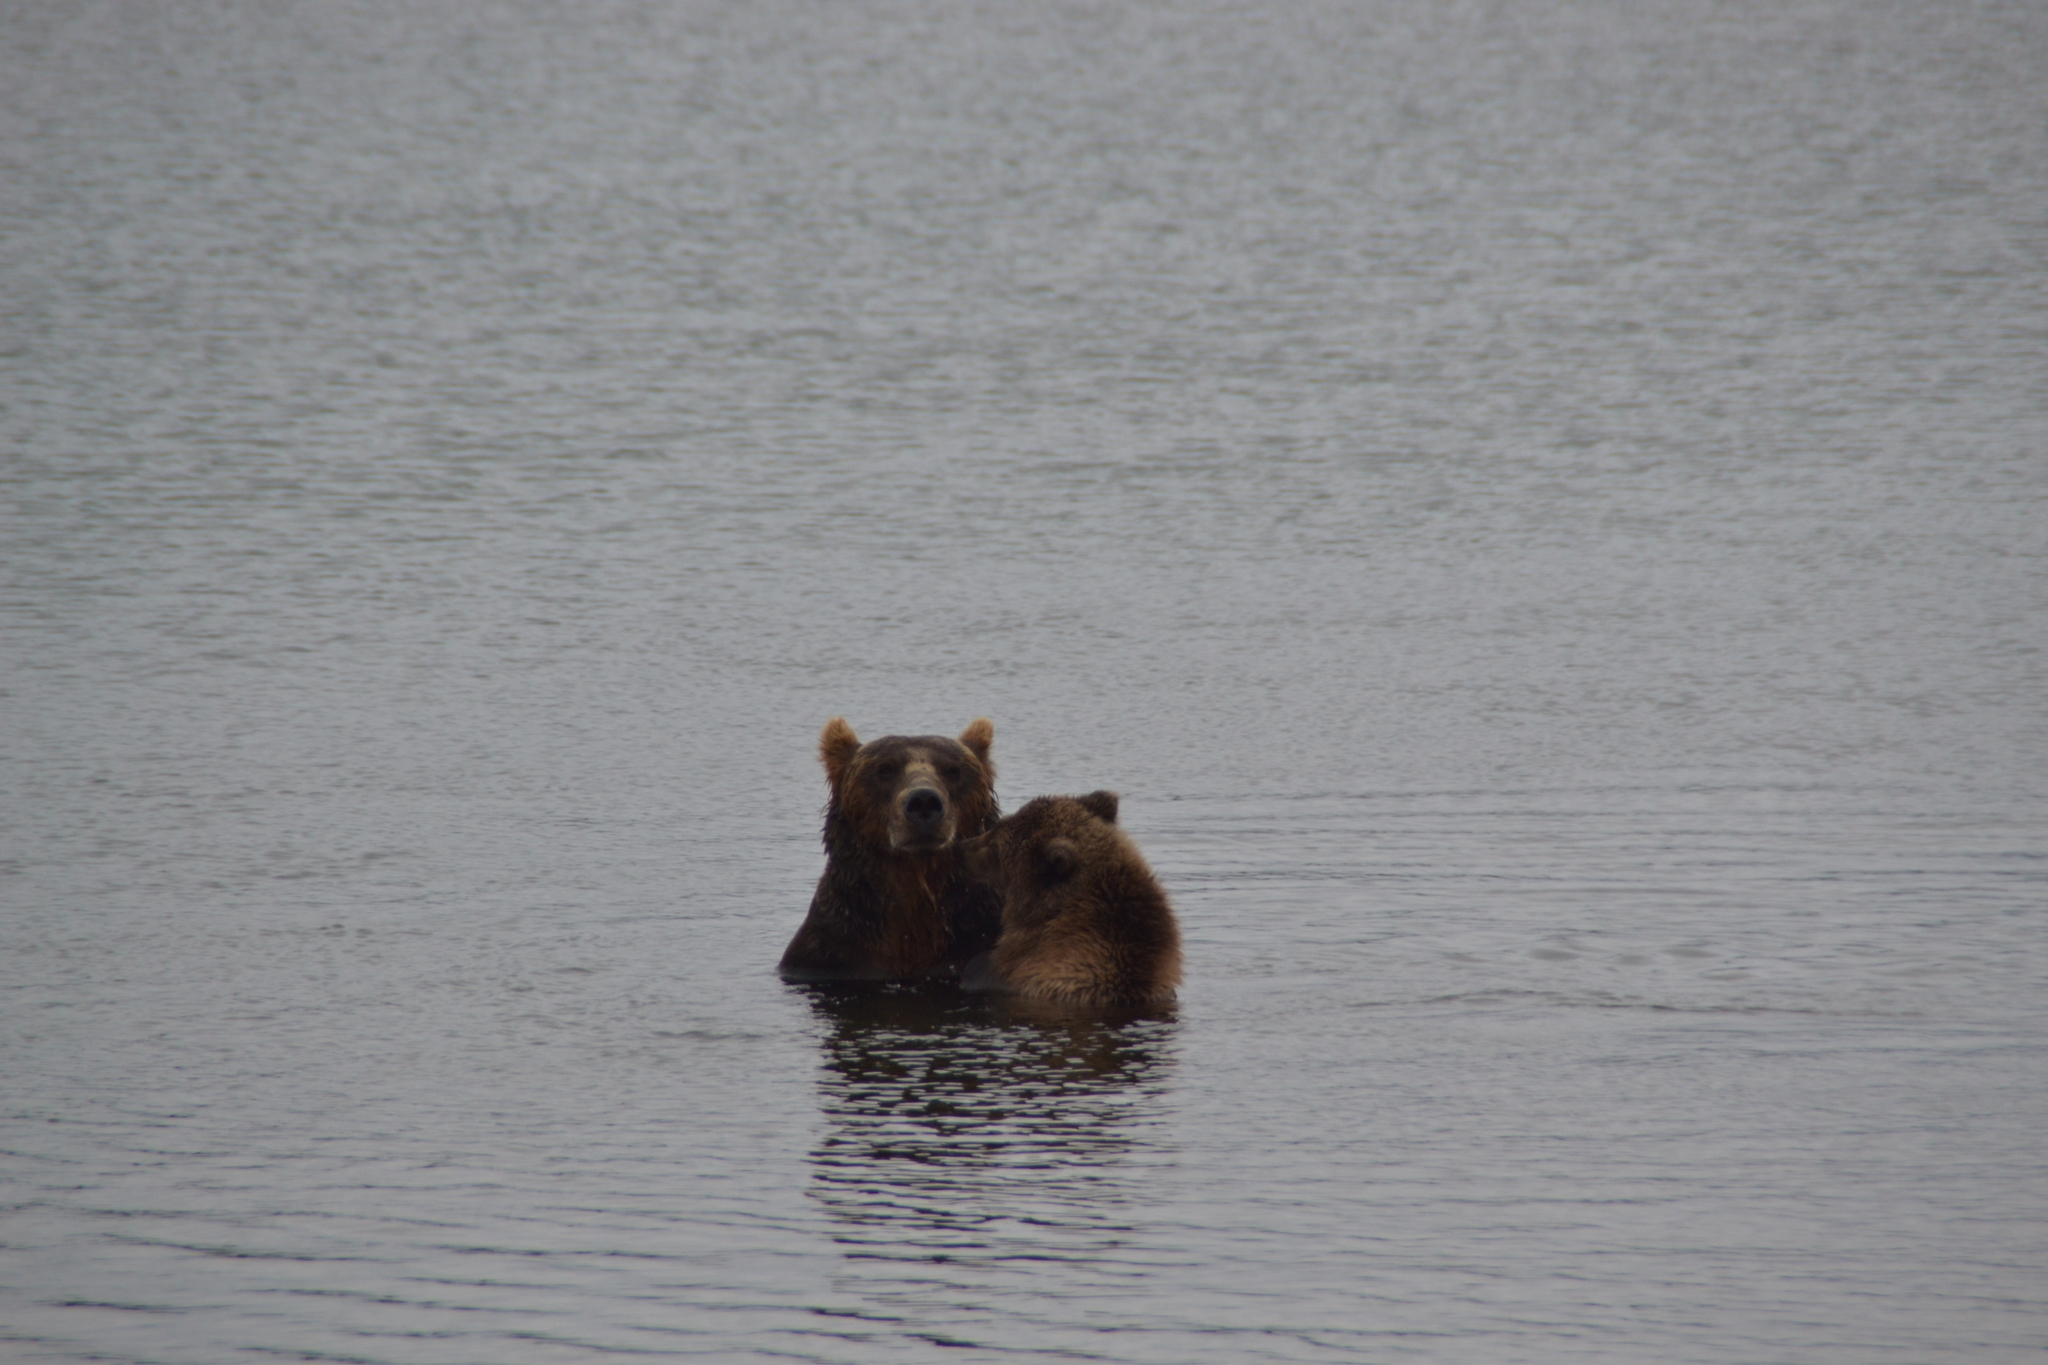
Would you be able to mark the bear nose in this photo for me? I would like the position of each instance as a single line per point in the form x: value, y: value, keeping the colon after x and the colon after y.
x: 924, y: 807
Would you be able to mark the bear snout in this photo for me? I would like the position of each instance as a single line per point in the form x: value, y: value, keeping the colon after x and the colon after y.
x: 924, y: 807
x: 921, y: 820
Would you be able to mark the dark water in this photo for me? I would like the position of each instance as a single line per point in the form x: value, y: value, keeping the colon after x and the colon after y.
x: 1541, y: 510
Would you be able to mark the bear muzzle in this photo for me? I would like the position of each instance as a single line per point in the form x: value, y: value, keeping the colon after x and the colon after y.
x: 921, y: 820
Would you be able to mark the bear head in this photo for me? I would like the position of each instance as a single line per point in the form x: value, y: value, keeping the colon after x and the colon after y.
x: 910, y: 794
x: 1042, y: 846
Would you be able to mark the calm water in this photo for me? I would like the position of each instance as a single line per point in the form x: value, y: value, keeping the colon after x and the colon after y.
x: 1541, y: 509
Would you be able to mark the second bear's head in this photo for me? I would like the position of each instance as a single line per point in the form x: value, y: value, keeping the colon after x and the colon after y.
x: 913, y: 794
x: 1044, y: 844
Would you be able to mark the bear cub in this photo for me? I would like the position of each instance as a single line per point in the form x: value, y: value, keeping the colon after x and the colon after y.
x: 1084, y: 920
x: 894, y: 902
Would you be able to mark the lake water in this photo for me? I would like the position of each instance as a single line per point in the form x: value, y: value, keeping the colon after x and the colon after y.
x: 1540, y: 509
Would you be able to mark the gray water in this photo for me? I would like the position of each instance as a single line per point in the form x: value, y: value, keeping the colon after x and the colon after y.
x: 1541, y: 510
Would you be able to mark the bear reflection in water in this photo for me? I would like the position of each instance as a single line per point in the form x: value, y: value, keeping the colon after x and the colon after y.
x: 971, y: 1125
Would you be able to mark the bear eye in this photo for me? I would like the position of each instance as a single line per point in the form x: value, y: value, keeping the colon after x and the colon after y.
x: 889, y: 771
x: 950, y: 771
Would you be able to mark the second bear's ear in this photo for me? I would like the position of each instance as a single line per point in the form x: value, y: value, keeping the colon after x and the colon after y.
x: 837, y: 744
x: 1057, y: 860
x: 1100, y: 804
x: 976, y: 738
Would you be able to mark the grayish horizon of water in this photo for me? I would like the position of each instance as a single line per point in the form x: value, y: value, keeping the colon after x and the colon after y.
x: 1540, y: 510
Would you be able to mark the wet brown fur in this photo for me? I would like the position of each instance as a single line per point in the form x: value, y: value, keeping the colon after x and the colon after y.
x: 894, y: 902
x: 1084, y: 920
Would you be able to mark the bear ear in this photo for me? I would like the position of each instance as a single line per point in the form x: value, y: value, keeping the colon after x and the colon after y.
x: 837, y: 744
x: 1100, y: 804
x: 1058, y: 859
x: 978, y: 736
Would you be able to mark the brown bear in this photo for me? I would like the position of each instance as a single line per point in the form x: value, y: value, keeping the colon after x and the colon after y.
x: 894, y: 902
x: 1084, y: 920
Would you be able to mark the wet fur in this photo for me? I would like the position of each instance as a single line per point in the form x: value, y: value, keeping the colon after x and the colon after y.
x: 883, y: 911
x: 1084, y: 921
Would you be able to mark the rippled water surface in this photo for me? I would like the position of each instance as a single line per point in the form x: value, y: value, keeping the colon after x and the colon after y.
x: 1541, y: 510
